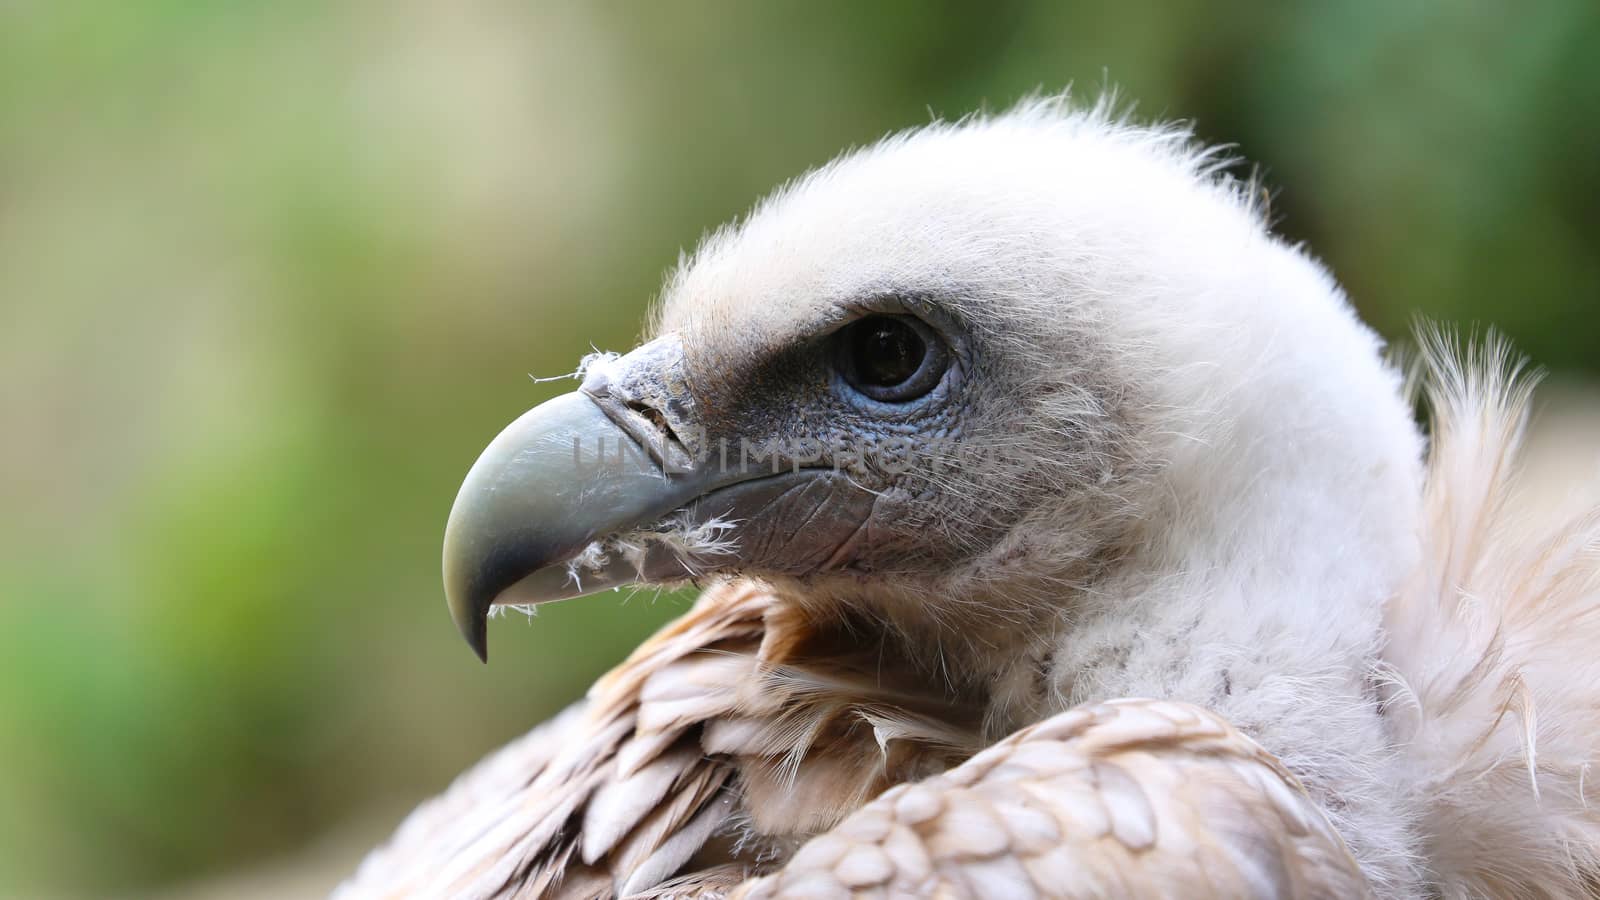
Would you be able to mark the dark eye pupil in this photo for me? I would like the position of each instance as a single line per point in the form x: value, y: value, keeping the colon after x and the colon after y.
x: 890, y: 359
x: 886, y: 351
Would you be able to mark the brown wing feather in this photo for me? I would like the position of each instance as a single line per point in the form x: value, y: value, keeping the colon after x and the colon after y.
x: 579, y: 803
x: 1137, y: 798
x: 743, y: 717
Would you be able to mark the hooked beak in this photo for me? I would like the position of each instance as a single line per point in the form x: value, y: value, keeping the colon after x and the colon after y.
x: 595, y: 464
x: 534, y: 499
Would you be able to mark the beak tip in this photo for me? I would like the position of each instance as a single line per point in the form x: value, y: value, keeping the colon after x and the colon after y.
x: 472, y: 620
x: 477, y: 637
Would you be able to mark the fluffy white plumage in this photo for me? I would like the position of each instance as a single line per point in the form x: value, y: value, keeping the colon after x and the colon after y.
x: 1243, y: 523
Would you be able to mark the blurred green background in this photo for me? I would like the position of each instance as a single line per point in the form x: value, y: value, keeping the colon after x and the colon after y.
x: 271, y: 274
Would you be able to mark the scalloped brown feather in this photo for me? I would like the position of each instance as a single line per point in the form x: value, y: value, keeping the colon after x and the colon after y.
x: 1132, y: 799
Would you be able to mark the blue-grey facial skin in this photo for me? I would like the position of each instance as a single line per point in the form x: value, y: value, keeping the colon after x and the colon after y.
x: 924, y: 465
x: 869, y: 513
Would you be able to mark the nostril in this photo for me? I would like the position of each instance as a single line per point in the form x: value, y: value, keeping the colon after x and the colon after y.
x: 658, y: 421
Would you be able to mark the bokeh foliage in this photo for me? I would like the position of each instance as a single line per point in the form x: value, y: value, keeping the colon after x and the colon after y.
x: 272, y: 273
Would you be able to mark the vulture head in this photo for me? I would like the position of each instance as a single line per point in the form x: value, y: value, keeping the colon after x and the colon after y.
x: 961, y: 380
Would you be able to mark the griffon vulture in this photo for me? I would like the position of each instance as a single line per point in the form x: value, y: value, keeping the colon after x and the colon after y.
x: 1063, y: 533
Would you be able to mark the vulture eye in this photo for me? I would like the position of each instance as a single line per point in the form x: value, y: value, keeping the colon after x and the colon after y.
x: 893, y: 359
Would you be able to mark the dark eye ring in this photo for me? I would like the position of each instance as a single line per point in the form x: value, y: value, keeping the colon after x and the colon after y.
x: 892, y: 359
